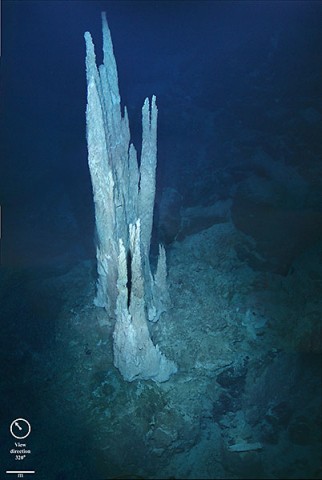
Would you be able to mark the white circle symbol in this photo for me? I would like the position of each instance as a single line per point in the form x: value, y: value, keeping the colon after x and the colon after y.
x: 20, y: 428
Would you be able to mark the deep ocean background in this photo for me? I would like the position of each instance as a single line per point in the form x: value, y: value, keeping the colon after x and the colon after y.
x: 239, y: 94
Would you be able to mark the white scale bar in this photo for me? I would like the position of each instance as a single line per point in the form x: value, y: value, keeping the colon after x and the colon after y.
x: 20, y: 471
